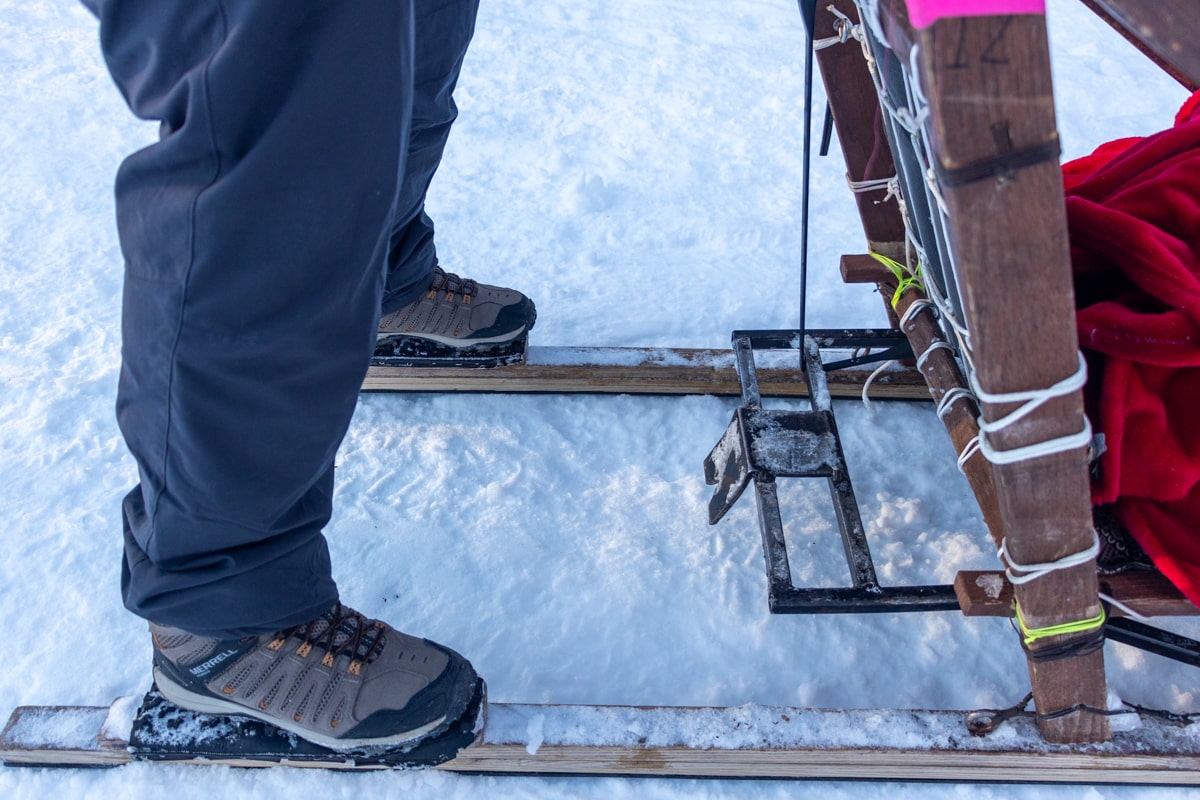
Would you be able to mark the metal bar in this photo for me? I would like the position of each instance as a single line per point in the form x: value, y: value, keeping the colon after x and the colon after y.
x: 808, y: 11
x: 1153, y: 640
x: 831, y: 338
x: 743, y: 353
x: 879, y: 600
x: 841, y: 490
x: 894, y: 353
x: 783, y: 339
x: 854, y: 536
x: 770, y: 523
x: 818, y: 387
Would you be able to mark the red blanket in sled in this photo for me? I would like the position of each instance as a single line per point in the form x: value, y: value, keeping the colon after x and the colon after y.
x: 1133, y: 210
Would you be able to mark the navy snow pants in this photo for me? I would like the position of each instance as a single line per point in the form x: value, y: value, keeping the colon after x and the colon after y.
x: 281, y: 208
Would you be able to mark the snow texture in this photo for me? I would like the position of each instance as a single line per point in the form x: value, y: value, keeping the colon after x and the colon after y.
x: 753, y: 726
x: 74, y: 729
x: 120, y: 718
x: 635, y: 166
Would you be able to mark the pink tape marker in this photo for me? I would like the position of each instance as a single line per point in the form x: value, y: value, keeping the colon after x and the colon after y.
x: 923, y: 13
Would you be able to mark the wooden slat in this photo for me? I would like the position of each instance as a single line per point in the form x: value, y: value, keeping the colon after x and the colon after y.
x: 827, y: 764
x: 859, y: 122
x: 629, y: 370
x: 1166, y: 31
x: 989, y: 594
x: 864, y: 269
x: 987, y: 80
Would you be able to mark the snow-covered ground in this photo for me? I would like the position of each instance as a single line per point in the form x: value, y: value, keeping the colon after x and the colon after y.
x: 635, y: 166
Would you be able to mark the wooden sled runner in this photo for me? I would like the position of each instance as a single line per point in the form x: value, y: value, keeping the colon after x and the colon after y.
x: 643, y: 370
x: 741, y: 742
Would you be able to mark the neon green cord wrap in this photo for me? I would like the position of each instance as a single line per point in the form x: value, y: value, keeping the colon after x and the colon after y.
x: 1031, y: 635
x: 905, y: 279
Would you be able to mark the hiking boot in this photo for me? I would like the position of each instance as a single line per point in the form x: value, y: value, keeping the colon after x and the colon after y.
x: 460, y: 313
x: 341, y: 681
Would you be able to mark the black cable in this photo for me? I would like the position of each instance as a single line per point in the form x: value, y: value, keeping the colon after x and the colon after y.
x: 808, y: 9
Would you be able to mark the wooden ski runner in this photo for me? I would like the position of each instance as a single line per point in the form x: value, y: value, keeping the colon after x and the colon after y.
x: 638, y: 370
x: 738, y: 742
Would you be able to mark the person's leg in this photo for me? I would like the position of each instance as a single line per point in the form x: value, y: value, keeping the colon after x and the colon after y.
x: 443, y: 32
x: 430, y: 316
x: 254, y: 233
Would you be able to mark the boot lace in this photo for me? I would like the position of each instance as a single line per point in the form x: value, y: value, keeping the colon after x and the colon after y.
x: 342, y: 630
x: 452, y: 284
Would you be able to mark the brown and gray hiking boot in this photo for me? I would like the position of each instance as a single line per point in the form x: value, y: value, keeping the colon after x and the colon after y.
x: 457, y: 312
x: 342, y: 681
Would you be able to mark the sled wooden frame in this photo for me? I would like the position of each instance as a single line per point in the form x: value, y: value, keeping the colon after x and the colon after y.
x: 741, y: 742
x: 994, y: 145
x: 987, y: 82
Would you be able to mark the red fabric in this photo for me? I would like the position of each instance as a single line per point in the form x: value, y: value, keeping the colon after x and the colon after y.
x: 1133, y: 210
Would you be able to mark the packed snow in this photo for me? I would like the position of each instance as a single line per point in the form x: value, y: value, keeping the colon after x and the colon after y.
x: 634, y: 165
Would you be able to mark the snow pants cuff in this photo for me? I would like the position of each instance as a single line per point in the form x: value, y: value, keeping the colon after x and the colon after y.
x: 250, y: 590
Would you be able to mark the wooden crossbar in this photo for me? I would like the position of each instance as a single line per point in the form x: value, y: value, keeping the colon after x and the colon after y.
x: 989, y: 594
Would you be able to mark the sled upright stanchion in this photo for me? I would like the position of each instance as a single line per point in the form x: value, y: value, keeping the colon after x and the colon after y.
x: 982, y: 107
x: 951, y: 146
x: 762, y: 445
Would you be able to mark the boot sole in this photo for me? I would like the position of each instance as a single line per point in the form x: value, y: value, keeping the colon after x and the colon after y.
x: 411, y: 351
x: 206, y: 704
x: 450, y: 341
